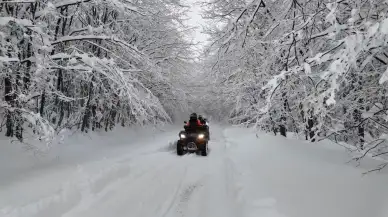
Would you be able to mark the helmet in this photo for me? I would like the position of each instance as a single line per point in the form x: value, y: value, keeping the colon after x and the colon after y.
x: 200, y: 117
x: 193, y: 116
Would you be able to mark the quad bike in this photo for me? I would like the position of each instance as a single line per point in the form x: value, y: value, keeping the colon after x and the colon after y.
x: 192, y: 142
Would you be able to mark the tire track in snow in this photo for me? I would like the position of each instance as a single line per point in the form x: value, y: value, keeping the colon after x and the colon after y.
x: 174, y: 198
x: 228, y: 143
x: 204, y: 192
x: 232, y: 187
x: 145, y: 196
x: 71, y: 193
x: 151, y: 173
x: 185, y: 197
x: 80, y: 193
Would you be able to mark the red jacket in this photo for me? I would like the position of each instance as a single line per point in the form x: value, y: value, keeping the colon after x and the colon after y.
x: 198, y: 123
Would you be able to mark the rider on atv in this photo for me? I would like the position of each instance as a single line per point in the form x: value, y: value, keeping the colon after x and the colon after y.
x: 202, y: 120
x: 197, y: 122
x: 194, y: 123
x: 205, y: 124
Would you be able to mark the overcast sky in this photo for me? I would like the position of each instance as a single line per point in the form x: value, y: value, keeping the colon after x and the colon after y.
x: 196, y: 20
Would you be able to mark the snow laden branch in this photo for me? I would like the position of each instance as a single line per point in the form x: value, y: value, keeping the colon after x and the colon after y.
x: 90, y: 64
x: 315, y: 68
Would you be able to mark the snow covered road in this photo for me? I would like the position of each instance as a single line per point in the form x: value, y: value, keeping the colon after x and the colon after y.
x: 243, y: 176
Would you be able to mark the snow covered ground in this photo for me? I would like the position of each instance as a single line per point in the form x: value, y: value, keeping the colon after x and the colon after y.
x: 138, y: 174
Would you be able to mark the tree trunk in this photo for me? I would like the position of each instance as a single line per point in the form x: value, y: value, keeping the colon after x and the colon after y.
x: 42, y: 102
x: 86, y: 118
x: 19, y: 126
x: 9, y: 99
x: 360, y: 128
x: 9, y: 125
x: 283, y: 130
x: 94, y: 113
x: 310, y: 125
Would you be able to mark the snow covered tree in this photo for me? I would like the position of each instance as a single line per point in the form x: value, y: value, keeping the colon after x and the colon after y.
x: 317, y: 68
x: 90, y: 64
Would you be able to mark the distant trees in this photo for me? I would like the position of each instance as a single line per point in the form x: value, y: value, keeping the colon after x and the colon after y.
x: 89, y: 64
x: 317, y: 68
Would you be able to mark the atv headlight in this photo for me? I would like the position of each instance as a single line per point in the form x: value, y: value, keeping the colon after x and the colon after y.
x: 201, y: 136
x: 183, y: 136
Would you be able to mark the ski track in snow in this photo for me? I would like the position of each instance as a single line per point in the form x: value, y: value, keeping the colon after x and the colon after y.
x: 243, y: 176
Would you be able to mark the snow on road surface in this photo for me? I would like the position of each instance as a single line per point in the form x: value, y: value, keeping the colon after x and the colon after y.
x: 244, y: 175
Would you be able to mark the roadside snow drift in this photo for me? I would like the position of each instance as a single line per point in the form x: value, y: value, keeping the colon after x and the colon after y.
x: 245, y: 175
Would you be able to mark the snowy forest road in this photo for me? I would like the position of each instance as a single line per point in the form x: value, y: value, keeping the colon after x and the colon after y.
x: 244, y: 175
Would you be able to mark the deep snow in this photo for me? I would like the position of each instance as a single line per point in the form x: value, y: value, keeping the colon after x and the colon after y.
x: 137, y: 173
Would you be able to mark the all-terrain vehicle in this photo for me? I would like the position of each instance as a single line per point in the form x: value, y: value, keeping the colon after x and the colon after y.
x: 193, y: 141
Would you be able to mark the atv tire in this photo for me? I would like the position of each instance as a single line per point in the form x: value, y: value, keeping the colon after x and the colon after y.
x: 204, y: 150
x: 179, y: 149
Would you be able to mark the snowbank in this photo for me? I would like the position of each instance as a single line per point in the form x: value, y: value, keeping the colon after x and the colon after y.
x: 352, y: 155
x: 288, y: 177
x: 69, y: 149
